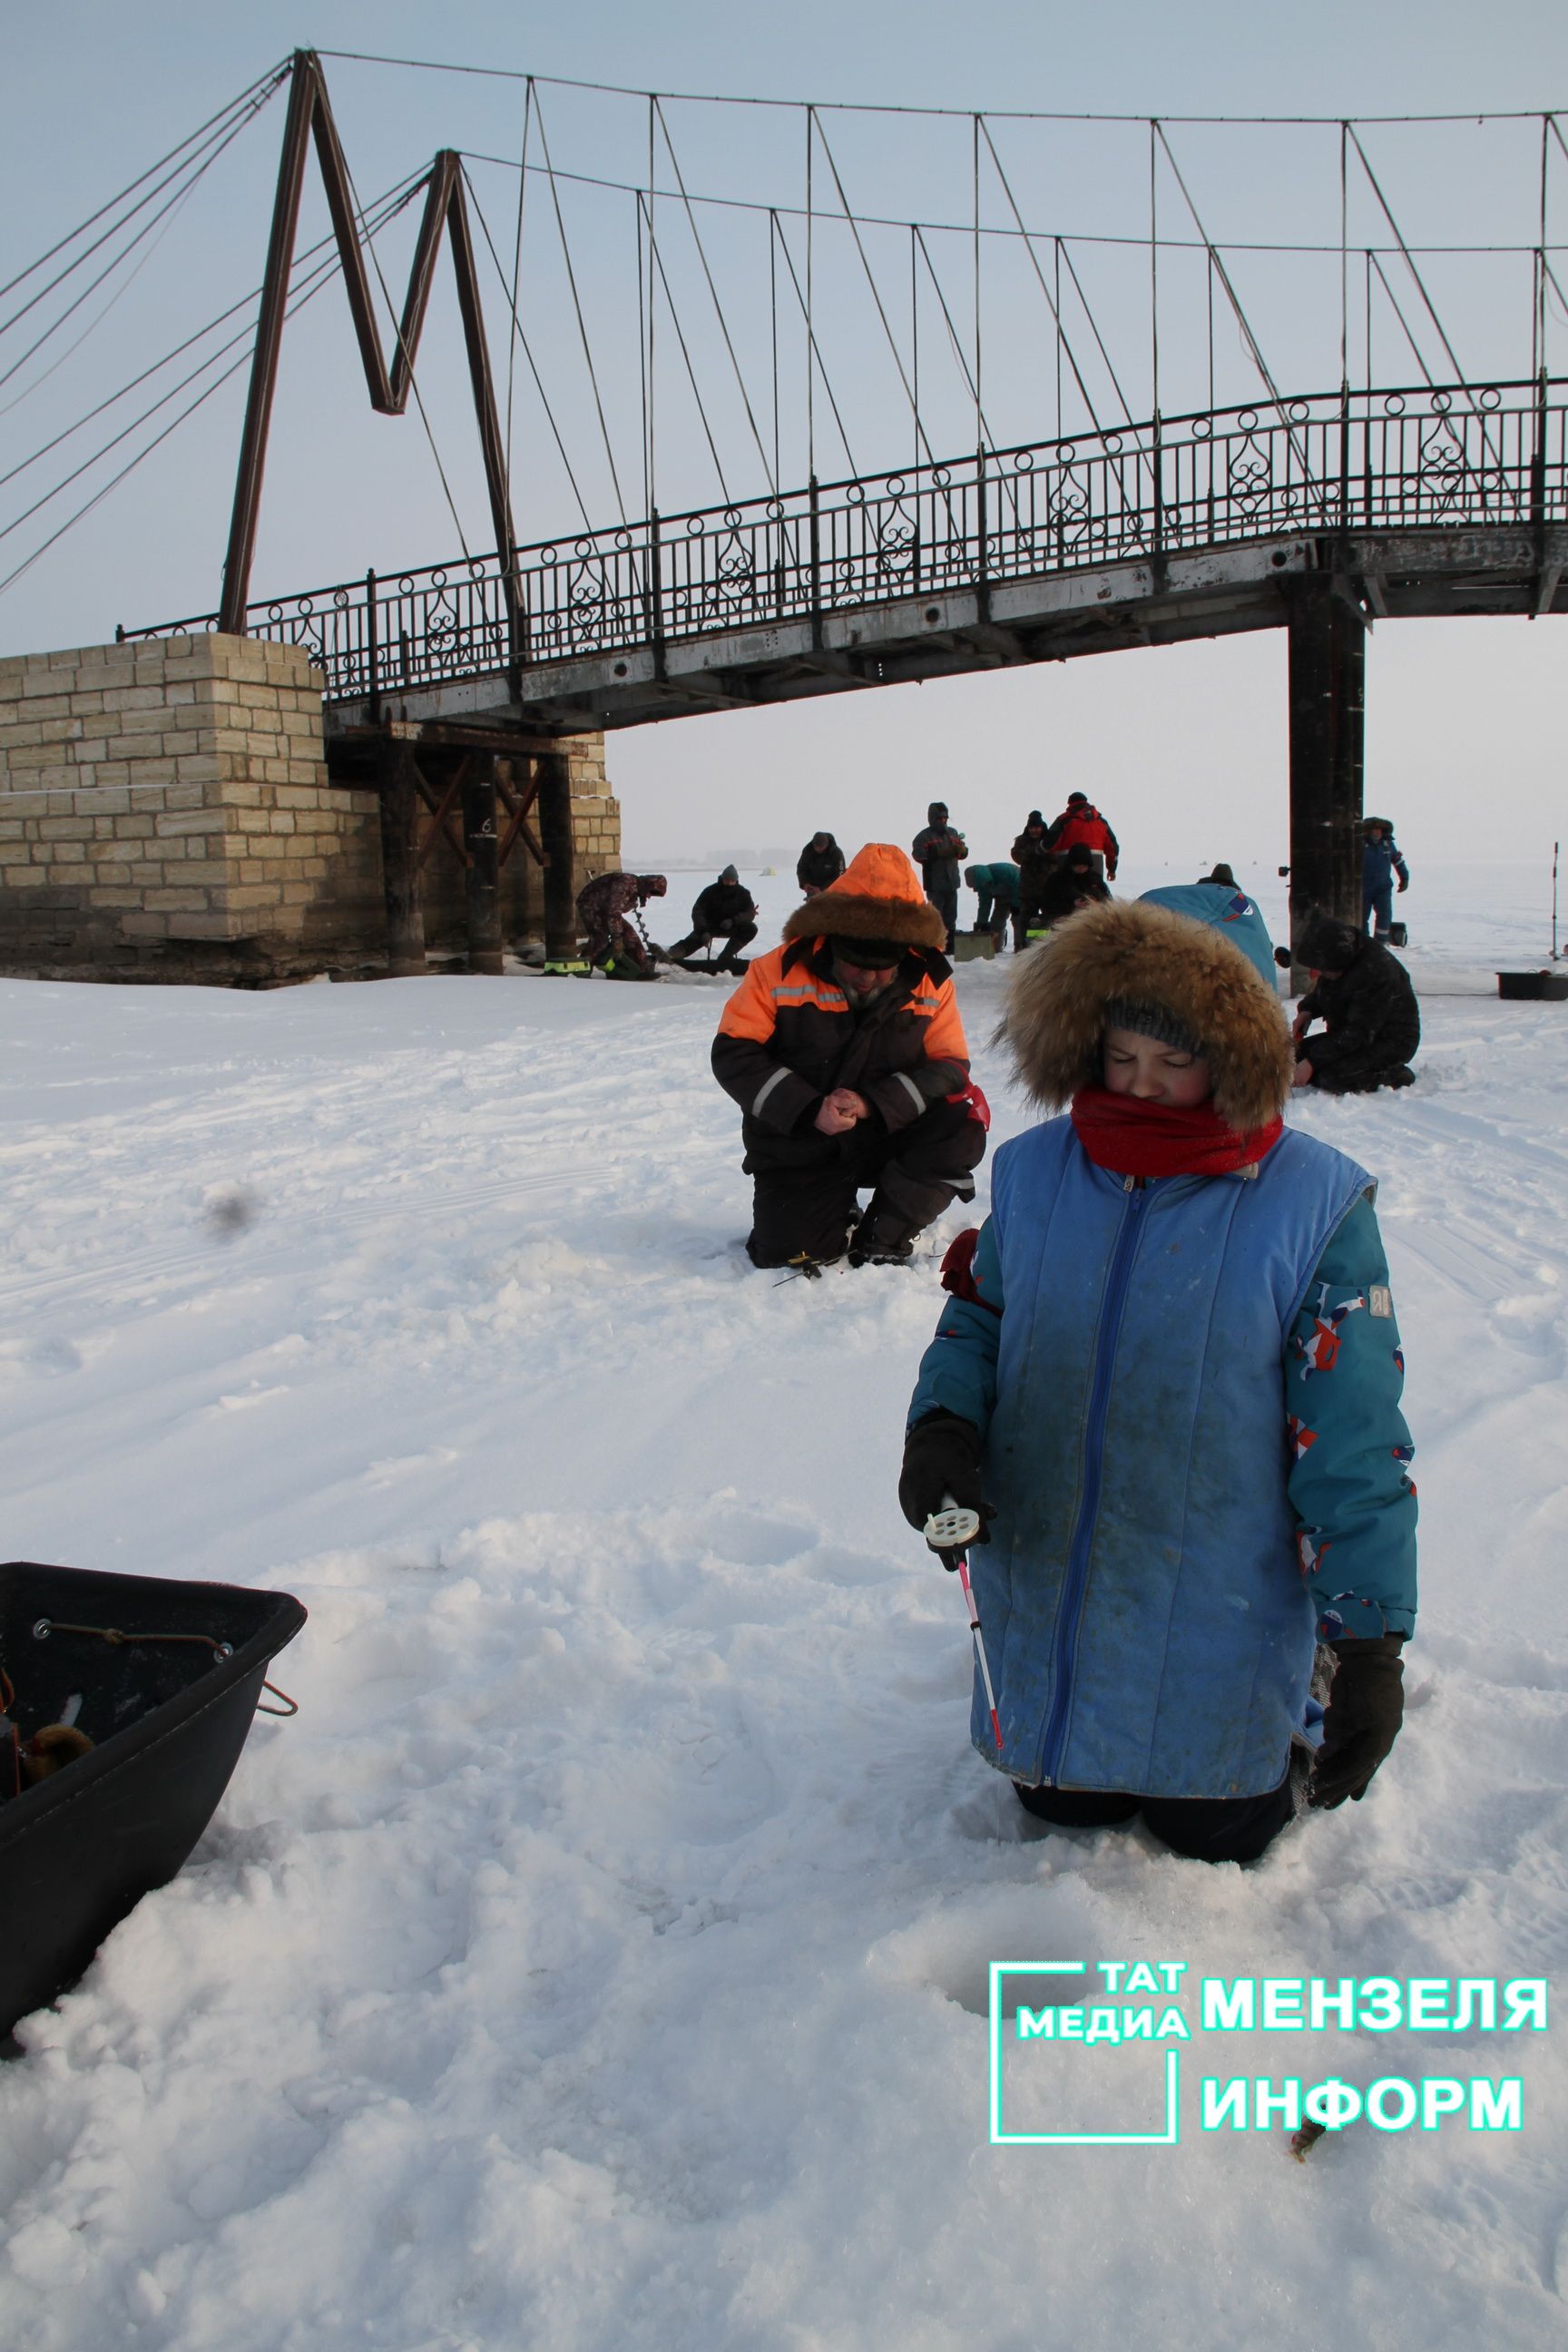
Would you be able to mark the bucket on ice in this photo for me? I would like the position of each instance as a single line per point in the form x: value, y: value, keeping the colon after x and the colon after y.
x: 134, y: 1695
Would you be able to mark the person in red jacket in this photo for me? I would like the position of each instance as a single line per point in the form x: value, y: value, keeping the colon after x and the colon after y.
x: 845, y: 1050
x: 1081, y: 821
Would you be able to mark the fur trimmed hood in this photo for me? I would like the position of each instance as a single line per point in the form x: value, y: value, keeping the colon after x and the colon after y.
x: 1145, y: 955
x: 878, y: 897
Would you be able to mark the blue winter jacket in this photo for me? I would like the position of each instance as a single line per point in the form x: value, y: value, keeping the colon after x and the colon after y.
x: 1190, y: 1392
x: 1380, y: 861
x: 1232, y: 912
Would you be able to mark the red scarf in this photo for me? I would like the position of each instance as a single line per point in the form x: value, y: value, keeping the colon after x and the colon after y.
x: 1144, y: 1138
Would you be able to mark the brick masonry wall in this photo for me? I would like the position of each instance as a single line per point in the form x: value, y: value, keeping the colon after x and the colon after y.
x: 165, y: 815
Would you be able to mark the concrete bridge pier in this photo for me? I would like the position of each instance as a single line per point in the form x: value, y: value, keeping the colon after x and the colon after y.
x: 1326, y: 672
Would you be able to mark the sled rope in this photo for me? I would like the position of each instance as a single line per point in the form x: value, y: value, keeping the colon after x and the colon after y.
x: 117, y: 1639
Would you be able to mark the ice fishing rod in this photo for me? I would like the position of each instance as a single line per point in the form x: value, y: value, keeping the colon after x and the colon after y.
x: 950, y: 1531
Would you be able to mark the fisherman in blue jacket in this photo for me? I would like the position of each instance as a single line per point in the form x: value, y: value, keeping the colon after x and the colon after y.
x: 1169, y: 1378
x: 1380, y: 862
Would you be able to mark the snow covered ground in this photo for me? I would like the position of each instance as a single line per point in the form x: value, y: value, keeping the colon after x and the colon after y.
x: 600, y: 1958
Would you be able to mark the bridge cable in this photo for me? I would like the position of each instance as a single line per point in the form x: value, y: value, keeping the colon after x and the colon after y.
x: 1419, y: 356
x: 642, y: 360
x: 1053, y: 306
x: 386, y: 209
x: 272, y: 80
x: 1459, y: 376
x: 814, y: 348
x: 713, y: 291
x: 691, y: 378
x: 395, y: 198
x: 578, y: 307
x: 1066, y: 244
x: 173, y: 202
x: 1217, y: 268
x: 853, y: 106
x: 517, y: 268
x: 877, y: 298
x: 322, y: 277
x: 521, y: 335
x: 954, y: 339
x: 966, y: 228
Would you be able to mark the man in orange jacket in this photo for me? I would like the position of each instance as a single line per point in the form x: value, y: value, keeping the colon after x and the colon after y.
x: 845, y: 1050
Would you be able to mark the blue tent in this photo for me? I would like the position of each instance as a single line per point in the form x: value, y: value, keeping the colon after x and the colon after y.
x: 1230, y: 911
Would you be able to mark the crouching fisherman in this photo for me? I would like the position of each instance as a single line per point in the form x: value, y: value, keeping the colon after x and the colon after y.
x: 1169, y: 1375
x: 846, y: 1053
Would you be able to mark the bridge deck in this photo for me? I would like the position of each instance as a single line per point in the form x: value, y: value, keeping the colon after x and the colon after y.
x: 1428, y: 502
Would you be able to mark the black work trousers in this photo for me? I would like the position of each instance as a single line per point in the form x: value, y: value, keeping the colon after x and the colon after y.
x: 738, y: 936
x: 1208, y: 1829
x: 804, y: 1185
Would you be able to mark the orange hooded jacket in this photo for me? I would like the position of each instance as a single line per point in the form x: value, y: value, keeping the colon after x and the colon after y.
x: 789, y: 1034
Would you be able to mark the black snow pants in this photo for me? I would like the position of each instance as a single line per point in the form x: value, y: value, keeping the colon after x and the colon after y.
x: 804, y: 1185
x: 1208, y: 1829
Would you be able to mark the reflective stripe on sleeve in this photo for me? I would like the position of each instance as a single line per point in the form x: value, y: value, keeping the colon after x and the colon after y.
x: 765, y: 1089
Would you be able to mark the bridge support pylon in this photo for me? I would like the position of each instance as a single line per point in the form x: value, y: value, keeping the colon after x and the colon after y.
x: 1326, y: 672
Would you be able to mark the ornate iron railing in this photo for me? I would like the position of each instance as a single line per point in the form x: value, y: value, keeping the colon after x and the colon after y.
x: 1397, y: 460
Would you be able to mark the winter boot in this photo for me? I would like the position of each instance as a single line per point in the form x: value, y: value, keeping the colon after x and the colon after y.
x: 881, y: 1237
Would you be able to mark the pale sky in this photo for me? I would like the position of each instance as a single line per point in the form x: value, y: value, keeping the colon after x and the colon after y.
x: 1184, y: 748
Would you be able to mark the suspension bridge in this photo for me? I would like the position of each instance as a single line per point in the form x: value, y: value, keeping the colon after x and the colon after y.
x: 1418, y: 489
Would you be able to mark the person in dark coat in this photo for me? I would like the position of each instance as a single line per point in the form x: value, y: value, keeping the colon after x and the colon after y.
x: 1363, y: 997
x: 725, y: 911
x: 940, y: 850
x: 819, y: 863
x: 1072, y: 885
x: 846, y: 1053
x: 995, y: 886
x: 1380, y: 862
x: 1032, y: 856
x: 603, y: 905
x: 1081, y: 821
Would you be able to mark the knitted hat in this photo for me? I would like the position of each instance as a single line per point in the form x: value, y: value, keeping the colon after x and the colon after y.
x: 936, y: 809
x: 868, y: 955
x: 1035, y: 817
x: 878, y: 897
x: 1078, y: 800
x: 1130, y: 965
x: 729, y: 874
x: 1080, y: 854
x: 1154, y: 1021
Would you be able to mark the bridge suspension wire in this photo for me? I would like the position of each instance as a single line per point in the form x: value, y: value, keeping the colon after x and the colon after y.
x: 955, y: 344
x: 519, y: 336
x: 321, y: 277
x: 385, y: 209
x: 1053, y: 303
x: 195, y: 169
x: 821, y: 363
x: 578, y: 307
x: 877, y: 298
x: 988, y: 229
x: 859, y: 105
x: 718, y: 306
x: 1459, y: 376
x: 265, y: 84
x: 517, y: 268
x: 691, y: 379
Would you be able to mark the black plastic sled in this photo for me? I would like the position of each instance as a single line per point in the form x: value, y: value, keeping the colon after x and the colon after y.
x: 133, y: 1694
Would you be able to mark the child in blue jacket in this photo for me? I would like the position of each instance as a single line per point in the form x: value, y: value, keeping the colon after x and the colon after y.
x: 1169, y: 1375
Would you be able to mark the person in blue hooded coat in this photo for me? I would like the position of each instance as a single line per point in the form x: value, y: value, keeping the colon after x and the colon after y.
x: 1218, y: 898
x: 1169, y: 1376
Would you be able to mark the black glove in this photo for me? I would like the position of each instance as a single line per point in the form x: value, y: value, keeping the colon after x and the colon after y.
x: 942, y: 1456
x: 1366, y: 1706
